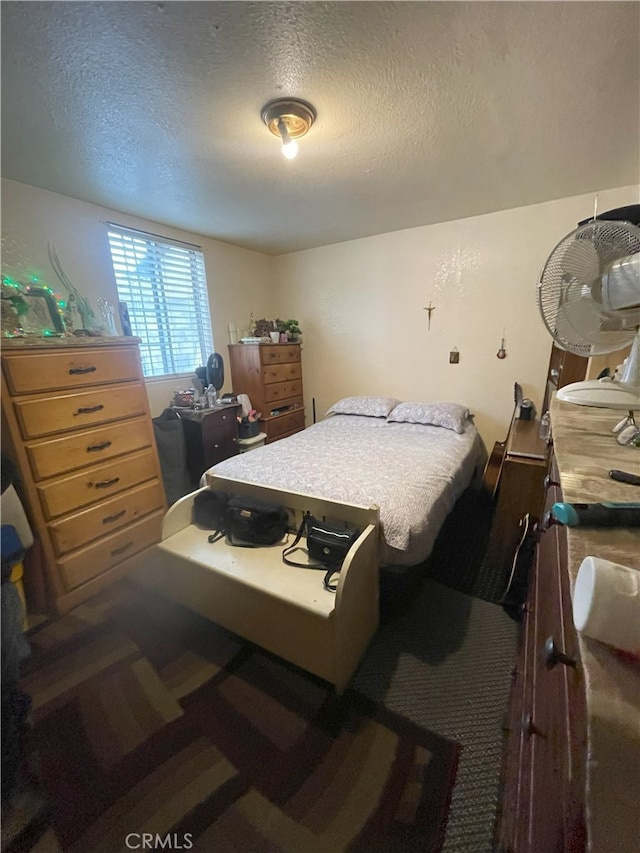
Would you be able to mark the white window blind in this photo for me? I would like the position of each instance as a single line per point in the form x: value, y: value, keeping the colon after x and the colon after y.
x: 164, y: 286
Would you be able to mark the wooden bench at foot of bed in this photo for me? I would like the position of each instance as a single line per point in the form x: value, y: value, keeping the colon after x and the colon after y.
x: 251, y: 592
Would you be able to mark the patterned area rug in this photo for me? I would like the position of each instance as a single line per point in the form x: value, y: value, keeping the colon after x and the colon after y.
x: 149, y: 719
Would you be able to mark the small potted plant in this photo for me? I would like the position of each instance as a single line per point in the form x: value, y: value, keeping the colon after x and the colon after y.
x: 290, y: 328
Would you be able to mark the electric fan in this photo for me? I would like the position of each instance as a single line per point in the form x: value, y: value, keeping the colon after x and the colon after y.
x: 589, y: 298
x: 215, y: 371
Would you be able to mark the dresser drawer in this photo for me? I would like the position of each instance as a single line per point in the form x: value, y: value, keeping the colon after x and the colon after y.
x: 28, y: 373
x: 83, y: 527
x: 281, y: 372
x: 279, y: 391
x: 59, y: 455
x: 278, y: 427
x: 94, y: 560
x: 75, y: 411
x: 279, y: 354
x: 96, y: 484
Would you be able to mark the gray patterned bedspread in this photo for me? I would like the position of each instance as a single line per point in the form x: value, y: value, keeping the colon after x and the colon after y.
x: 414, y: 473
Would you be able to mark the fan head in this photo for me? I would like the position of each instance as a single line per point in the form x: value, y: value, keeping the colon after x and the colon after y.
x: 576, y: 282
x: 215, y: 371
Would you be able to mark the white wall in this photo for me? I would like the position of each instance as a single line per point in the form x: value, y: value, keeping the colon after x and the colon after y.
x: 361, y: 308
x: 238, y: 279
x: 360, y: 303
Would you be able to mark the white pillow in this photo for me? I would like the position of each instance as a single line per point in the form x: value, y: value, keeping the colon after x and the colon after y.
x: 448, y: 415
x: 372, y: 407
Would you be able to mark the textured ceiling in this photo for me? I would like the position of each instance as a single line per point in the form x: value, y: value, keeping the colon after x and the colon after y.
x: 427, y: 111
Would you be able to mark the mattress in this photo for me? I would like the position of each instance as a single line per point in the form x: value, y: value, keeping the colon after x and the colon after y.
x: 413, y: 472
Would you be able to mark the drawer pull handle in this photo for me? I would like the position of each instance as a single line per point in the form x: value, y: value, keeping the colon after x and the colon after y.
x: 106, y: 483
x: 548, y: 520
x: 89, y: 410
x: 529, y: 727
x: 109, y: 518
x: 548, y: 483
x: 121, y: 549
x: 80, y: 371
x: 553, y: 656
x: 93, y: 447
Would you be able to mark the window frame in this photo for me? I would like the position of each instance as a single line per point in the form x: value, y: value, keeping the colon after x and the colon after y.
x: 175, y: 273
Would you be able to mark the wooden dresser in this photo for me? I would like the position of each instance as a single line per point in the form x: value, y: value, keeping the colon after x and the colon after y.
x: 571, y: 780
x: 271, y: 376
x: 76, y: 422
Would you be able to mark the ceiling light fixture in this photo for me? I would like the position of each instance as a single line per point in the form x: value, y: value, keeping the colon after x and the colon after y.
x: 288, y: 119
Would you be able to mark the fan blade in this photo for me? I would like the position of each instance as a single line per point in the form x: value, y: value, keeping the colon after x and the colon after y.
x: 580, y: 261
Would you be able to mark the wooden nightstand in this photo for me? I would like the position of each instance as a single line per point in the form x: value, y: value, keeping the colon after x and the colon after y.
x: 211, y: 435
x: 520, y: 491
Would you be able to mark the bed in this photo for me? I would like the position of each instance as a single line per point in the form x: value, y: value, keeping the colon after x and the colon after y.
x: 394, y: 481
x: 414, y: 472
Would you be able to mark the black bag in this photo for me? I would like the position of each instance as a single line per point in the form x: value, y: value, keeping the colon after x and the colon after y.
x: 327, y: 543
x: 210, y: 511
x: 168, y: 429
x: 327, y: 546
x: 252, y: 522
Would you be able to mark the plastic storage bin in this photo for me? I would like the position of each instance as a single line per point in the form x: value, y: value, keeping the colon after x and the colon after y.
x: 246, y: 444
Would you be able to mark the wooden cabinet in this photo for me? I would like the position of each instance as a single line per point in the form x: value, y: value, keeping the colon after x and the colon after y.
x: 520, y: 490
x: 76, y: 422
x: 211, y: 436
x: 271, y: 376
x: 543, y: 782
x: 564, y: 368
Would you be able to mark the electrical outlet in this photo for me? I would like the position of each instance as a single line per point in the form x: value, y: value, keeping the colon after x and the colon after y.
x: 454, y: 356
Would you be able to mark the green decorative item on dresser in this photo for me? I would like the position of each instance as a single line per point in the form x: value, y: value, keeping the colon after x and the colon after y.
x: 290, y: 327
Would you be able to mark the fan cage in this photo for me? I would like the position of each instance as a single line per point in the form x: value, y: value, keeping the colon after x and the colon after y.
x: 575, y: 321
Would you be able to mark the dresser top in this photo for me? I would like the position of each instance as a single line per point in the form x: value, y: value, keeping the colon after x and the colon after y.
x: 586, y: 450
x: 65, y: 341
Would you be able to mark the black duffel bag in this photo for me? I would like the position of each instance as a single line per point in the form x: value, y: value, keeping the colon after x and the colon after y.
x: 252, y: 522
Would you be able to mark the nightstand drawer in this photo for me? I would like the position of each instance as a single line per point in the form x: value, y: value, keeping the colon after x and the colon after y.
x: 224, y: 420
x: 59, y: 455
x: 109, y: 551
x: 83, y: 527
x: 96, y: 484
x: 52, y: 371
x: 75, y: 411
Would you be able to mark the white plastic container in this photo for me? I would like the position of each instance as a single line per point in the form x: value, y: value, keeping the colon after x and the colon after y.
x: 606, y: 603
x: 246, y: 444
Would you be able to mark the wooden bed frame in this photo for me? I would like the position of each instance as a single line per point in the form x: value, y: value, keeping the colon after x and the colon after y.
x: 251, y: 592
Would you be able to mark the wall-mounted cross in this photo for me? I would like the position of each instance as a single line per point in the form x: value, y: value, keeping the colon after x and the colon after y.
x: 429, y: 310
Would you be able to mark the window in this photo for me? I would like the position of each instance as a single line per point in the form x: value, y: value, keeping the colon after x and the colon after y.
x: 164, y: 286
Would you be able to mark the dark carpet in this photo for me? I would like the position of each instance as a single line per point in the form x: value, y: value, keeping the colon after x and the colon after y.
x: 458, y: 557
x: 147, y: 718
x: 443, y: 657
x: 441, y: 661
